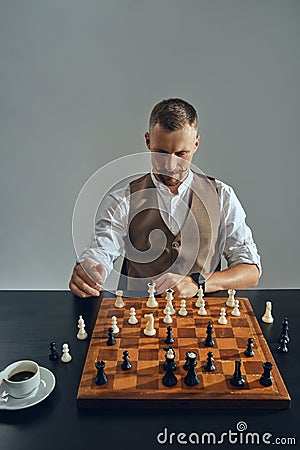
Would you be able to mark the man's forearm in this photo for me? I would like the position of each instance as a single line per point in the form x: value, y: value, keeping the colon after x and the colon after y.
x: 242, y: 276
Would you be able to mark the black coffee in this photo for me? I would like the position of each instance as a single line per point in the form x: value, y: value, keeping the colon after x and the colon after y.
x: 21, y: 376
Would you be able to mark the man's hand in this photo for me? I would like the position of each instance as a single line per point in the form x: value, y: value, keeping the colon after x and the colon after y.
x: 182, y: 286
x: 87, y: 279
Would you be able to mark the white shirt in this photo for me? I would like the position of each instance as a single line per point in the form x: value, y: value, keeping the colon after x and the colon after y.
x: 108, y: 242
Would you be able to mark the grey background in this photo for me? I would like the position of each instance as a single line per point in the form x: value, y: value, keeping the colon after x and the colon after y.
x: 77, y: 82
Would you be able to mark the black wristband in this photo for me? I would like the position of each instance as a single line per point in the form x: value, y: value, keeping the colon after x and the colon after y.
x: 199, y: 279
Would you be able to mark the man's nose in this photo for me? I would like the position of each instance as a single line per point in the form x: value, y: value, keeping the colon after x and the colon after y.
x: 171, y: 163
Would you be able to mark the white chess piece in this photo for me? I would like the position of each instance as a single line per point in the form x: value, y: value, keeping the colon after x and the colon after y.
x: 230, y: 300
x: 236, y: 311
x: 222, y: 319
x: 132, y: 319
x: 151, y: 302
x: 169, y: 298
x: 267, y: 317
x: 200, y: 296
x: 149, y: 330
x: 202, y: 311
x: 66, y: 357
x: 182, y: 311
x: 119, y: 303
x: 114, y: 324
x: 82, y: 334
x: 167, y: 318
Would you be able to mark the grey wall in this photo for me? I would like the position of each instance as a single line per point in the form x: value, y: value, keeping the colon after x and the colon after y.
x: 77, y: 82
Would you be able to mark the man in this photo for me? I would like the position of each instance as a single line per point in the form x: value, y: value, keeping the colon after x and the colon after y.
x: 199, y: 217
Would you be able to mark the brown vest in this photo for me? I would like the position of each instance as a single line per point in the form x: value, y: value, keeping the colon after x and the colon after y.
x: 152, y: 249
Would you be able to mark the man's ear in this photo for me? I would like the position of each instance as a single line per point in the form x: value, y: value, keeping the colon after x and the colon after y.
x: 147, y: 139
x: 197, y: 142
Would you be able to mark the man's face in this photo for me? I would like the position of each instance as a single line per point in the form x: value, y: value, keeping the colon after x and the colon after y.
x: 172, y: 152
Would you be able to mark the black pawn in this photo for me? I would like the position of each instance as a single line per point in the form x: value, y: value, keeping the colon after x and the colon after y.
x: 191, y: 378
x: 209, y: 366
x: 266, y: 379
x: 237, y: 378
x: 169, y: 379
x: 187, y: 361
x: 284, y: 330
x: 169, y: 339
x: 283, y: 348
x: 54, y: 356
x: 165, y: 364
x: 249, y: 350
x: 209, y: 341
x: 101, y: 377
x: 126, y: 364
x: 111, y: 338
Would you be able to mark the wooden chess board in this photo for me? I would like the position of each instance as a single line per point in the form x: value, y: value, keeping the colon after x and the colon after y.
x: 142, y: 386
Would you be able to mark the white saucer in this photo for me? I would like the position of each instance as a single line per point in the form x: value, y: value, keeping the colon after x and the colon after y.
x: 45, y: 388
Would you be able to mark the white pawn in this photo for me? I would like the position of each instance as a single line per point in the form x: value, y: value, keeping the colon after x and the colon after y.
x: 222, y: 319
x: 230, y: 300
x: 236, y: 311
x: 132, y: 319
x: 200, y: 296
x: 66, y: 357
x: 167, y: 318
x: 169, y: 298
x: 151, y: 302
x: 149, y: 330
x: 119, y: 303
x: 267, y: 317
x: 82, y: 334
x: 114, y: 324
x: 182, y: 311
x: 202, y: 311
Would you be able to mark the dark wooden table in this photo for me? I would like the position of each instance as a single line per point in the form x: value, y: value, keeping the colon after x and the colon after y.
x: 30, y: 320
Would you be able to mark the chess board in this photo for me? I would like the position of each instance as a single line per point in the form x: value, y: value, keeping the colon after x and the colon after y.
x: 142, y: 386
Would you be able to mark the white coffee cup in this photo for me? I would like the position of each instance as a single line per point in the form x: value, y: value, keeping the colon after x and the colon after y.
x: 20, y: 379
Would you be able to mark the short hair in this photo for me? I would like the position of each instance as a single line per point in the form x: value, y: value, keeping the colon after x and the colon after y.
x: 173, y: 114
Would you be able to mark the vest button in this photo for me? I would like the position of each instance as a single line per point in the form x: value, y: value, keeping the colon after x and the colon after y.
x: 176, y: 244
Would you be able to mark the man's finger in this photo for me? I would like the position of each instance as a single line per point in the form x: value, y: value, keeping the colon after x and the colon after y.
x: 89, y: 274
x: 85, y: 287
x: 76, y: 291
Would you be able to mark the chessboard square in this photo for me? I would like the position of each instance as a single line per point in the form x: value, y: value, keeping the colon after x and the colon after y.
x: 107, y: 354
x: 119, y: 313
x: 229, y: 343
x: 214, y: 312
x: 133, y: 354
x: 133, y: 303
x: 186, y: 333
x: 213, y: 381
x: 204, y: 351
x: 244, y: 332
x: 196, y: 388
x: 217, y: 364
x: 125, y: 381
x: 187, y: 343
x: 242, y: 342
x: 145, y: 354
x: 145, y: 382
x: 185, y: 321
x: 229, y: 354
x: 127, y: 343
x: 162, y: 332
x: 239, y: 322
x: 148, y: 367
x: 201, y: 322
x: 223, y: 332
x: 131, y: 331
x: 162, y: 324
x: 253, y: 367
x: 147, y: 342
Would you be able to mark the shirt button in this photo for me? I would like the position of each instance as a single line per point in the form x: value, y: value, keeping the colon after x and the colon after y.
x: 175, y: 244
x: 246, y: 242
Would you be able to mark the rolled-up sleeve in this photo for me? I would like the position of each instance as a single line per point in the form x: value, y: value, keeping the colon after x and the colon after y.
x: 239, y: 246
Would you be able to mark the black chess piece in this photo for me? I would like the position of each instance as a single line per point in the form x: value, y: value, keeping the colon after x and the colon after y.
x: 191, y: 378
x: 237, y: 378
x: 111, y: 338
x: 283, y: 348
x: 54, y: 356
x: 126, y: 364
x: 266, y: 378
x: 101, y: 377
x: 284, y: 330
x: 169, y: 379
x: 187, y: 361
x: 174, y: 365
x: 169, y: 339
x: 249, y: 350
x: 209, y: 366
x: 209, y: 341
